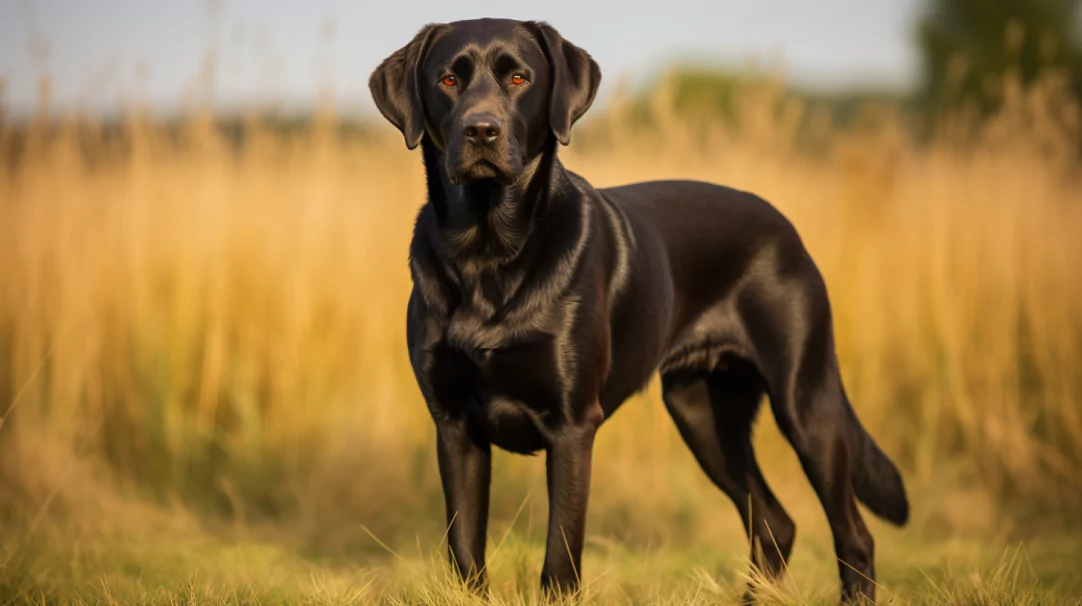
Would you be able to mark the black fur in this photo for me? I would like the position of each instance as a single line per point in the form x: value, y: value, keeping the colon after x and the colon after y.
x: 540, y: 304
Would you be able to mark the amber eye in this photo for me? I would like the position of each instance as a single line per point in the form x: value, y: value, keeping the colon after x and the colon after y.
x: 518, y: 79
x: 449, y: 80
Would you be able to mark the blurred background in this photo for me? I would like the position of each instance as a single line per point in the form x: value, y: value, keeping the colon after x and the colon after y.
x: 204, y: 387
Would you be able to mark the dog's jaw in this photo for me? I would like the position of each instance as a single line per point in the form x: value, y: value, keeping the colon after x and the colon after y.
x: 490, y: 210
x: 505, y: 166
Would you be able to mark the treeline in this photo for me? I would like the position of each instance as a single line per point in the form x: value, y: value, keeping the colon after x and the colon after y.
x: 974, y: 53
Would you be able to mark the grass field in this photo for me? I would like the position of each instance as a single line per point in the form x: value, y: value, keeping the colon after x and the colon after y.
x: 205, y: 395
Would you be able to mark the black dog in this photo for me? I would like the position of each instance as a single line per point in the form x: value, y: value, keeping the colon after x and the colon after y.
x: 540, y: 304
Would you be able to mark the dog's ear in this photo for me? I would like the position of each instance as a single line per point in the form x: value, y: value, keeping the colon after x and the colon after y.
x: 396, y: 87
x: 575, y: 78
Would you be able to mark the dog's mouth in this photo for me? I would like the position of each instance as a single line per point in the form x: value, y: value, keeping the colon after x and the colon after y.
x: 481, y: 170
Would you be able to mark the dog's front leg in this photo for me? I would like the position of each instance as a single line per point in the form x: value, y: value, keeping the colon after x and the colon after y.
x: 569, y: 456
x: 465, y: 469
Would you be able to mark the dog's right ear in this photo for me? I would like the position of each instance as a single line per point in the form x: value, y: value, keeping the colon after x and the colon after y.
x: 396, y: 86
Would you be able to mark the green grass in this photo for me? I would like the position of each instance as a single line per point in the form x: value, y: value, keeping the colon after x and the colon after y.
x: 150, y: 554
x: 167, y: 569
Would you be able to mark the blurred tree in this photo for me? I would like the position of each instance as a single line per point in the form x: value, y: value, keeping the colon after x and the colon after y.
x: 968, y: 45
x: 717, y: 90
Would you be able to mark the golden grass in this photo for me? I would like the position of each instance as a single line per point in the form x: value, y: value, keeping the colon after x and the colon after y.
x: 219, y: 331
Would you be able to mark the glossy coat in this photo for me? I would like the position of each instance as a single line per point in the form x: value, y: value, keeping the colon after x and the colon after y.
x: 540, y: 304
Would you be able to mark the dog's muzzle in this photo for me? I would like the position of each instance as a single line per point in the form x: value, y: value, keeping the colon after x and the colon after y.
x: 481, y: 149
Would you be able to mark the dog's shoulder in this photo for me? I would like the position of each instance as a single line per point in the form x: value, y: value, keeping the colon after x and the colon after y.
x: 431, y: 281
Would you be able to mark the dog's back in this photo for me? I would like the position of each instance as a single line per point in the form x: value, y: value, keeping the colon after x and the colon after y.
x: 713, y: 238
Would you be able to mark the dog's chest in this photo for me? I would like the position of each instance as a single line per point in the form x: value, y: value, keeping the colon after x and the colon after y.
x: 507, y: 382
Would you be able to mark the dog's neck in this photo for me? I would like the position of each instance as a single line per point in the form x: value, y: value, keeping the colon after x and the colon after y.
x: 488, y: 219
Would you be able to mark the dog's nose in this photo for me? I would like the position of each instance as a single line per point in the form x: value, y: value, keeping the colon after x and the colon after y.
x: 482, y: 128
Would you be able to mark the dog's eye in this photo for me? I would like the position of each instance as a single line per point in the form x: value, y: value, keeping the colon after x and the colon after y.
x: 518, y: 79
x: 449, y: 81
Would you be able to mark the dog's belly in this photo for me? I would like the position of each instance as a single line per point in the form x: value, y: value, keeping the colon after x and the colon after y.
x: 513, y: 426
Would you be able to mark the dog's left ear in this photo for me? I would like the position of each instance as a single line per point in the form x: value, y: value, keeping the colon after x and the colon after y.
x: 396, y: 86
x: 575, y: 79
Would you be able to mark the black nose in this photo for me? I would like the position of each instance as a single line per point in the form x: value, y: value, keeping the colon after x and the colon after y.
x: 482, y: 128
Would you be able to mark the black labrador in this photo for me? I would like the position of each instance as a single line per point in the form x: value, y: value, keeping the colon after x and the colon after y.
x: 540, y: 304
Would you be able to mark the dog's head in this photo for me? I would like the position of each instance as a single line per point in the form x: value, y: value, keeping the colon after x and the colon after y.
x: 489, y: 93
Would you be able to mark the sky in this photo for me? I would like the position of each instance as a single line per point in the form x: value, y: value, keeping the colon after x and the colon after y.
x: 101, y: 54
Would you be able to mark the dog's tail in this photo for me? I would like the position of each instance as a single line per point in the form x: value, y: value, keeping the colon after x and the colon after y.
x: 876, y: 481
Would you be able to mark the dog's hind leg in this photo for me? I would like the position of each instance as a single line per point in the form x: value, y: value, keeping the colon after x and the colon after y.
x: 714, y: 411
x: 811, y: 414
x: 810, y: 407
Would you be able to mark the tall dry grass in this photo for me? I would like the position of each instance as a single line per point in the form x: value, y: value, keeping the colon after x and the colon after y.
x: 219, y: 327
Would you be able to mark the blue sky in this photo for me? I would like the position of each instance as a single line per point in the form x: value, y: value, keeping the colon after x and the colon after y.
x: 284, y: 53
